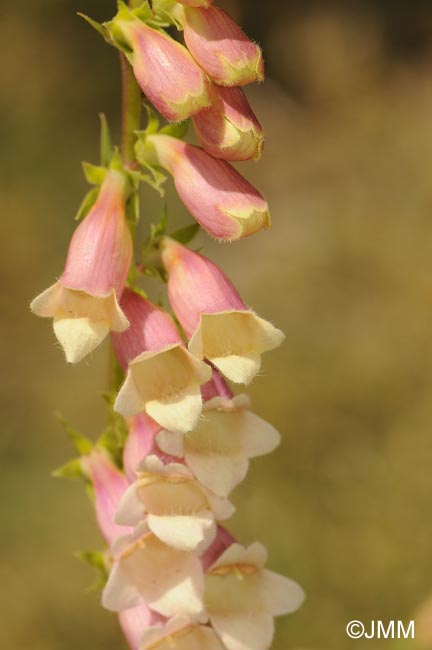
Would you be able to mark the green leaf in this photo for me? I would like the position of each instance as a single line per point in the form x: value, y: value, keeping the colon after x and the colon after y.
x: 177, y: 130
x: 87, y: 203
x: 186, y: 234
x: 106, y: 150
x: 95, y: 174
x: 82, y: 445
x: 72, y: 469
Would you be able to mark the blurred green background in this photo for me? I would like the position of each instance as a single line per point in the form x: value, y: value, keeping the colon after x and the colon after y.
x: 344, y: 505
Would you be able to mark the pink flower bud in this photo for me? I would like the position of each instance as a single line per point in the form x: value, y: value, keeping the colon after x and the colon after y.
x: 140, y: 442
x: 165, y: 71
x: 163, y: 378
x: 228, y: 129
x: 84, y: 302
x: 221, y: 48
x: 109, y: 486
x: 135, y: 622
x: 224, y: 203
x: 220, y: 326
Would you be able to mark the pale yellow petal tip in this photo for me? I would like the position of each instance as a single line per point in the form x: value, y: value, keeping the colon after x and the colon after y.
x: 79, y: 336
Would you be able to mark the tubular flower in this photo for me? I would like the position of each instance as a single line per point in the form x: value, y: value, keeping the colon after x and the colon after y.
x: 220, y: 326
x: 218, y: 449
x: 181, y: 634
x: 242, y: 597
x: 229, y: 129
x: 164, y: 69
x: 163, y: 378
x: 84, y: 302
x: 134, y: 621
x: 141, y: 442
x: 109, y: 486
x: 145, y: 570
x: 224, y: 203
x: 177, y: 509
x: 221, y: 48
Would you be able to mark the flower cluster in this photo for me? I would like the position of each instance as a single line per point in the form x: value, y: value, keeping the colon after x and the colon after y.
x: 177, y: 578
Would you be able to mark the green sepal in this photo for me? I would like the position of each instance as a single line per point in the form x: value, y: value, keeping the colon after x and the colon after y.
x: 82, y: 445
x: 97, y: 560
x: 87, y: 203
x: 155, y: 177
x: 99, y: 27
x: 186, y: 235
x: 164, y: 12
x: 152, y: 121
x: 106, y: 149
x: 72, y: 469
x: 176, y: 130
x: 94, y: 174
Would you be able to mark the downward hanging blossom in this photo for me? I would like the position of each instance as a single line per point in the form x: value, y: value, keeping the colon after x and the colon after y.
x: 109, y: 486
x: 220, y: 326
x: 224, y: 203
x: 242, y: 597
x: 176, y: 507
x: 219, y: 45
x: 84, y: 301
x: 146, y: 570
x: 163, y: 378
x: 163, y: 68
x: 181, y: 634
x: 227, y: 436
x: 229, y: 129
x: 140, y: 442
x: 135, y: 621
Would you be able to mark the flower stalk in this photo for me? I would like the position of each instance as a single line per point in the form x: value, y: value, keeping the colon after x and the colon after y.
x: 179, y: 438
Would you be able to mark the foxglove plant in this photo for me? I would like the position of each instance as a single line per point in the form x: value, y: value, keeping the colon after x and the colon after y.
x: 178, y: 439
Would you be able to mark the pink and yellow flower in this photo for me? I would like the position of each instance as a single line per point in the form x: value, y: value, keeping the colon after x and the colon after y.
x: 164, y: 69
x: 223, y: 202
x: 219, y: 45
x: 163, y: 377
x: 84, y: 301
x: 229, y: 129
x: 220, y: 326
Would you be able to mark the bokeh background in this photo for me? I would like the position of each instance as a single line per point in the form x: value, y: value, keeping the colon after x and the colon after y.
x: 344, y: 505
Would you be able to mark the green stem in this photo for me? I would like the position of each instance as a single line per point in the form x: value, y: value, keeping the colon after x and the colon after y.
x: 130, y: 123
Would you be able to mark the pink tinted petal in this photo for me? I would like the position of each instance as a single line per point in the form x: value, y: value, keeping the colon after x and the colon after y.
x: 151, y: 328
x: 221, y: 48
x: 166, y: 72
x: 223, y: 202
x: 109, y: 485
x: 100, y: 251
x: 196, y: 285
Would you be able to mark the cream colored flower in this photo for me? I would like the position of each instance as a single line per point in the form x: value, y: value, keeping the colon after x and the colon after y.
x: 169, y: 581
x: 219, y: 448
x: 242, y: 597
x: 166, y: 384
x: 178, y: 510
x: 233, y: 341
x: 181, y: 634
